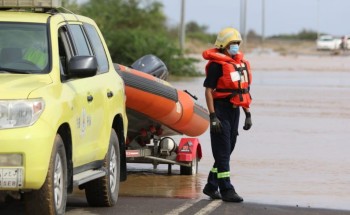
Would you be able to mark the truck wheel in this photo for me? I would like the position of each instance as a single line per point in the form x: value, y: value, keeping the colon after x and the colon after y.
x: 51, y: 198
x: 104, y: 191
x: 184, y: 170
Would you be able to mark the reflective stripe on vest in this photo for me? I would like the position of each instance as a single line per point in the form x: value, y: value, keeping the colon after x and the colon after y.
x: 223, y: 174
x: 214, y: 170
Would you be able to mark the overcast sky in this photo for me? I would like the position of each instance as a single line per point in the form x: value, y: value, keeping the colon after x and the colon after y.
x: 281, y: 16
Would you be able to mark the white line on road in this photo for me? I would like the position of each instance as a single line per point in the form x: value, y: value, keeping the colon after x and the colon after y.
x: 209, y: 208
x: 182, y: 208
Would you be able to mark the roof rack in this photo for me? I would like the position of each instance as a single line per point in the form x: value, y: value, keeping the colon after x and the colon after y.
x: 30, y: 3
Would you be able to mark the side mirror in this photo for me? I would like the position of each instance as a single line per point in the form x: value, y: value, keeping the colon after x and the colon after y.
x: 82, y: 66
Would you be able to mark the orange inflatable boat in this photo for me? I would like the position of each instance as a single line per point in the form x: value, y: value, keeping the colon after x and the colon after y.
x: 157, y: 108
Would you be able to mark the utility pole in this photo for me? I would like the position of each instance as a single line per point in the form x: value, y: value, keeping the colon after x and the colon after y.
x: 318, y: 19
x: 243, y: 21
x: 262, y: 25
x: 182, y: 27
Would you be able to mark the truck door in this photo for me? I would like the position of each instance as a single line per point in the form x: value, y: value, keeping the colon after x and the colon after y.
x: 88, y: 113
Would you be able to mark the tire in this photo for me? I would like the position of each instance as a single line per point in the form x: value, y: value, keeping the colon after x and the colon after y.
x: 103, y: 192
x: 193, y: 170
x: 51, y: 198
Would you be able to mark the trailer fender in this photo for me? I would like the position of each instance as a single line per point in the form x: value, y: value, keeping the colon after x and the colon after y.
x: 188, y: 149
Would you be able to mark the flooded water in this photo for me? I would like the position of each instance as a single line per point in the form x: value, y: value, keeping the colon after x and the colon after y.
x: 297, y: 152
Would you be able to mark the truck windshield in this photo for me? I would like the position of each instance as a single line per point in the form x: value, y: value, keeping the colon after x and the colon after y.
x: 23, y: 48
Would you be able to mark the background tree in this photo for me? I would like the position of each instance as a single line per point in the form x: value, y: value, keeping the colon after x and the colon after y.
x: 134, y: 28
x: 197, y: 32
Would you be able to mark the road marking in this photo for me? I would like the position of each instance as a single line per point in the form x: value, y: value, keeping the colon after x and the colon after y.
x: 79, y: 211
x: 209, y: 208
x: 181, y: 209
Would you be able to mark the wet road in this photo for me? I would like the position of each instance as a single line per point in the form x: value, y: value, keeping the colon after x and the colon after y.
x: 156, y: 205
x: 164, y: 197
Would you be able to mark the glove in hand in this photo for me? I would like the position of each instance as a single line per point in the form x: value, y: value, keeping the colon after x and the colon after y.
x: 248, y: 121
x: 215, y: 124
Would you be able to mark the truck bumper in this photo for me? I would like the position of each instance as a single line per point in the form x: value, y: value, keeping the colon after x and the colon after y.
x: 33, y: 145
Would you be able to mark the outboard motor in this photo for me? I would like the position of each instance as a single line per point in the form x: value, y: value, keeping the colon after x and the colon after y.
x: 152, y: 65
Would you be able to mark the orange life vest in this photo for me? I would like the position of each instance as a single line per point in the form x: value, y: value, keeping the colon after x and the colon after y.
x: 235, y: 80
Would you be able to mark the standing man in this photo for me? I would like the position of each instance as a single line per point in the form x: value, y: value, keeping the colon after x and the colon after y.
x: 227, y: 83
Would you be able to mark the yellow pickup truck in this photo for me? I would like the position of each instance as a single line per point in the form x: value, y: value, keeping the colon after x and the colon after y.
x: 62, y: 108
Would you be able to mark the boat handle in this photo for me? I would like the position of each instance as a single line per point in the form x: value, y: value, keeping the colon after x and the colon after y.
x: 90, y: 98
x: 193, y: 96
x: 109, y: 94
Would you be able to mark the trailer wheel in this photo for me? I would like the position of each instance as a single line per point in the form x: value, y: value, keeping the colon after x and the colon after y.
x: 51, y: 198
x: 193, y: 170
x: 103, y: 191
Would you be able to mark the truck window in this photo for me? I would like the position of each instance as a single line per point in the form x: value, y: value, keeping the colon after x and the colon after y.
x: 24, y: 47
x: 97, y: 47
x: 72, y: 41
x: 80, y: 41
x: 65, y: 50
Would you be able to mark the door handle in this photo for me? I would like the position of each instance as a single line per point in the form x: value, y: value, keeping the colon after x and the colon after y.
x: 109, y: 94
x: 90, y: 98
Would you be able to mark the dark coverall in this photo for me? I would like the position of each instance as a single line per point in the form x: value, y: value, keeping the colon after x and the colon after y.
x: 223, y: 143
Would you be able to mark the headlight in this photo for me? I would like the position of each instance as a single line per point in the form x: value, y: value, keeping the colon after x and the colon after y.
x: 20, y: 113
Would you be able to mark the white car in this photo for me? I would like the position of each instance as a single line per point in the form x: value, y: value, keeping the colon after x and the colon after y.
x: 328, y: 42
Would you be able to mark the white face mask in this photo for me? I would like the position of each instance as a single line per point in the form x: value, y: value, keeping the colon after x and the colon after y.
x: 233, y: 49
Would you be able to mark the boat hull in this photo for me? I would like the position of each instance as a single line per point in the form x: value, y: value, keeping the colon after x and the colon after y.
x: 153, y: 105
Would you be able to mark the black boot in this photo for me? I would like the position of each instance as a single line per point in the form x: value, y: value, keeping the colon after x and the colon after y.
x: 231, y: 196
x: 214, y: 194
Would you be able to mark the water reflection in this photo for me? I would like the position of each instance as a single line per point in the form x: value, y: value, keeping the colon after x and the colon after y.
x: 157, y: 183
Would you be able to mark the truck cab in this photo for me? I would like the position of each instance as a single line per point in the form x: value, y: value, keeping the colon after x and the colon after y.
x: 62, y: 108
